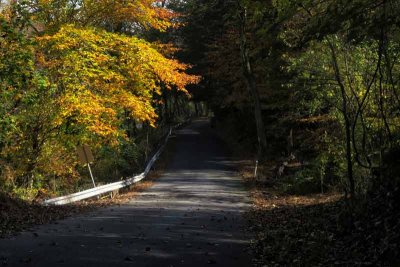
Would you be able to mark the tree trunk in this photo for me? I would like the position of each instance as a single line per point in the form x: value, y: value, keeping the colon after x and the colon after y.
x: 196, y: 108
x: 347, y: 124
x: 251, y: 84
x: 166, y: 107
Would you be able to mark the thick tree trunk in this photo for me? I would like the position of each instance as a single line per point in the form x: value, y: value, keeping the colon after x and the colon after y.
x: 251, y: 84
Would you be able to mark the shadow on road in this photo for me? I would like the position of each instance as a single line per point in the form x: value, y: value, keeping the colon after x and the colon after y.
x: 192, y: 216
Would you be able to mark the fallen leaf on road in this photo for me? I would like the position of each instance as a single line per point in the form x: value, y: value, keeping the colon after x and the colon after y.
x: 128, y: 258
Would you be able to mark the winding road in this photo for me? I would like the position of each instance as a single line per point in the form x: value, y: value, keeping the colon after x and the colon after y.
x: 191, y: 216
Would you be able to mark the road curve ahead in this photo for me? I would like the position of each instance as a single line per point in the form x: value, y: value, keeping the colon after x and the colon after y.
x: 191, y: 216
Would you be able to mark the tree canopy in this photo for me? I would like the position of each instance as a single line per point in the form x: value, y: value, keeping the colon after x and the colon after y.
x: 77, y: 72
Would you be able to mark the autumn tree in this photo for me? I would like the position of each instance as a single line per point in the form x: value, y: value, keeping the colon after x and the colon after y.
x: 75, y: 73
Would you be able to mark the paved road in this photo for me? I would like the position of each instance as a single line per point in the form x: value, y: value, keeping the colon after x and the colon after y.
x: 192, y: 216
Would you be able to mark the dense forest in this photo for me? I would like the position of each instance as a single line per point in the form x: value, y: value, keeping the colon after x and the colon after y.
x: 311, y: 89
x: 307, y: 90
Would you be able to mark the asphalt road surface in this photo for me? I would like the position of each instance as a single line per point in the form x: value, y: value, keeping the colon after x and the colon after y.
x: 191, y: 216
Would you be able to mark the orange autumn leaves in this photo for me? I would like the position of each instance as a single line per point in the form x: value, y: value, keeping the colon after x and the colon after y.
x: 101, y: 75
x: 147, y: 13
x: 131, y: 15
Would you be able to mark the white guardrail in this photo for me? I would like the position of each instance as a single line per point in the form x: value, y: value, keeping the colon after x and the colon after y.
x: 109, y: 187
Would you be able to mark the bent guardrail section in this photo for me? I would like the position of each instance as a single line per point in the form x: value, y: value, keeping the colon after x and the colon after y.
x: 113, y: 186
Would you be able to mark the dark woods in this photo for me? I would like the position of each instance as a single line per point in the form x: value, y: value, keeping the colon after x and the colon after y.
x: 311, y: 88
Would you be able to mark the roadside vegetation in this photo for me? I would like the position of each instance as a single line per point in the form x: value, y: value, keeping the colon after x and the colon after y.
x: 18, y: 215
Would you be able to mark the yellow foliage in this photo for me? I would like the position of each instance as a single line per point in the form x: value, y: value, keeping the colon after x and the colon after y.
x: 113, y: 13
x: 101, y: 75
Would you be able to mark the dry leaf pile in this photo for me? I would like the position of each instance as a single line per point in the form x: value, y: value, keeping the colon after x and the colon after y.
x: 316, y: 231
